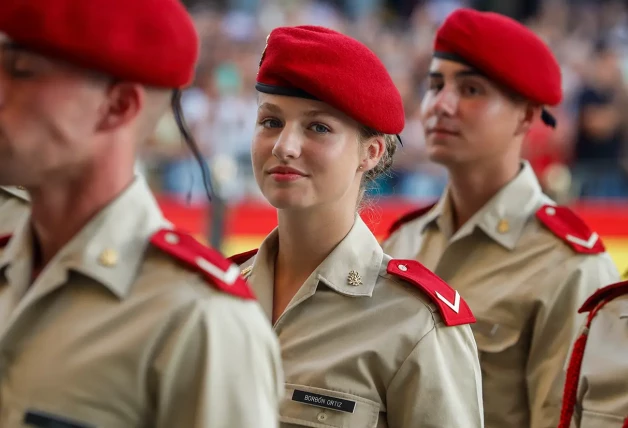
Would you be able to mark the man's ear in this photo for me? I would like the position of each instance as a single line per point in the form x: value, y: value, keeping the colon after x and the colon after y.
x: 124, y: 103
x: 531, y: 112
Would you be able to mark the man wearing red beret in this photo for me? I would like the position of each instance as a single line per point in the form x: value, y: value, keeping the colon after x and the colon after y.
x: 524, y: 264
x: 13, y: 208
x: 109, y: 317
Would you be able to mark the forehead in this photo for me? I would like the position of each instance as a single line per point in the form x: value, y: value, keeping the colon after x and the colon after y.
x: 448, y: 67
x: 295, y: 105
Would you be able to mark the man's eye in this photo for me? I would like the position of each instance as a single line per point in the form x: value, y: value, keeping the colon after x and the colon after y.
x: 17, y: 64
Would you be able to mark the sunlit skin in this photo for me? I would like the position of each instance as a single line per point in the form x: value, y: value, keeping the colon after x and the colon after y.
x: 468, y: 118
x: 475, y: 128
x: 309, y: 162
x: 69, y: 136
x: 307, y: 154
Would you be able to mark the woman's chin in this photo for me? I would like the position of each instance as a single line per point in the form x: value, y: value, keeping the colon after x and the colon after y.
x: 283, y: 200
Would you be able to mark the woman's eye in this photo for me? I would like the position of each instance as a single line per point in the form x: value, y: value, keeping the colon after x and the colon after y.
x: 319, y: 128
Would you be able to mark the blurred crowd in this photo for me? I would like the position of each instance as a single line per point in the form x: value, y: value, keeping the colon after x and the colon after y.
x: 584, y: 157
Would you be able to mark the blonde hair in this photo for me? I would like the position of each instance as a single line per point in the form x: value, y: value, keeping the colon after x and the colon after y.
x: 385, y: 163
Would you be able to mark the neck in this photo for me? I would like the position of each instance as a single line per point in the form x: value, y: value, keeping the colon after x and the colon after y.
x: 306, y: 238
x: 472, y: 187
x: 60, y: 209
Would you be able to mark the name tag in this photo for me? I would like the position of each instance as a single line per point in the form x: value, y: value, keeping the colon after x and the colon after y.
x: 324, y: 401
x: 39, y: 419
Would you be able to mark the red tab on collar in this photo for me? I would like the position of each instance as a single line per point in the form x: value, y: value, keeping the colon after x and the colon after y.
x: 243, y: 257
x: 605, y: 294
x: 217, y: 270
x: 453, y: 309
x: 570, y: 228
x: 4, y: 240
x: 406, y: 218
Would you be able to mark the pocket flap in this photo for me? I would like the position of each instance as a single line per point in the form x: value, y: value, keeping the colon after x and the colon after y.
x: 322, y: 408
x: 494, y: 337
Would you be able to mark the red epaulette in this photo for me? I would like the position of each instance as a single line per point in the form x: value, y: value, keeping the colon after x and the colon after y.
x: 604, y: 294
x: 453, y: 309
x: 217, y: 270
x: 408, y: 217
x: 4, y: 240
x: 243, y: 257
x: 570, y: 228
x: 572, y: 378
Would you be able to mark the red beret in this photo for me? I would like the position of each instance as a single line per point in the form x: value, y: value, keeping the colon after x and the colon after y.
x: 153, y: 42
x: 504, y: 50
x: 322, y: 64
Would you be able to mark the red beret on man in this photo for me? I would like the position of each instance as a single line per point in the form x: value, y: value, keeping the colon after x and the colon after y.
x: 322, y: 64
x: 505, y: 51
x: 152, y: 42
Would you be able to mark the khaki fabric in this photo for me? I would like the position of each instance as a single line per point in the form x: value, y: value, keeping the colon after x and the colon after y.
x: 603, y: 389
x: 115, y: 333
x: 524, y: 286
x: 355, y: 333
x: 14, y: 206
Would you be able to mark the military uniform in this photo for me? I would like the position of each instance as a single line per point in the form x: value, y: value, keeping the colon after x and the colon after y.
x: 366, y: 341
x: 596, y: 392
x: 132, y: 324
x: 13, y: 207
x: 525, y: 266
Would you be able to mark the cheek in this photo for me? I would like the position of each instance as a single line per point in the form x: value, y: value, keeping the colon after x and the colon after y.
x: 426, y: 108
x: 261, y: 151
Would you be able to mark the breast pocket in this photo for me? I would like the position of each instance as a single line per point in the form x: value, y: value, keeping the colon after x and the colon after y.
x: 601, y: 420
x: 305, y: 406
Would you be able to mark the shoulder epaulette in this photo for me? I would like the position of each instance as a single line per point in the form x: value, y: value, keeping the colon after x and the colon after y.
x: 4, y: 240
x: 570, y: 228
x: 409, y: 217
x: 453, y: 309
x: 243, y: 257
x: 604, y: 294
x: 217, y: 270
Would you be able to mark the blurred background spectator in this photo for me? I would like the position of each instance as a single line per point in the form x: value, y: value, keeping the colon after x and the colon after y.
x: 585, y: 157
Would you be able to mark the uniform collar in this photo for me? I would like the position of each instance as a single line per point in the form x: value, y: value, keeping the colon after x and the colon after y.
x: 351, y: 269
x: 503, y: 217
x: 18, y: 192
x: 109, y: 249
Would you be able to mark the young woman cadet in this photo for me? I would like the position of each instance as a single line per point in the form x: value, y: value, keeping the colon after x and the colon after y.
x: 366, y: 341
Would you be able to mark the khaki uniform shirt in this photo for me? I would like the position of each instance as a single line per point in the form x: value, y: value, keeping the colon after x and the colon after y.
x: 524, y: 286
x: 116, y: 333
x: 603, y: 390
x: 14, y: 206
x: 364, y: 349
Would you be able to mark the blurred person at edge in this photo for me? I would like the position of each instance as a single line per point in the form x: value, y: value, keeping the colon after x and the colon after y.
x: 524, y: 264
x: 596, y: 389
x: 366, y: 341
x: 599, y: 160
x: 110, y: 316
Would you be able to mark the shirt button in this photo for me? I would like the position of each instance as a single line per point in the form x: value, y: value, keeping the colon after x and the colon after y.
x: 403, y: 268
x: 322, y: 417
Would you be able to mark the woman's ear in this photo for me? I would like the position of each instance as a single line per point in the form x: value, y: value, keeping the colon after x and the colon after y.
x: 373, y: 150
